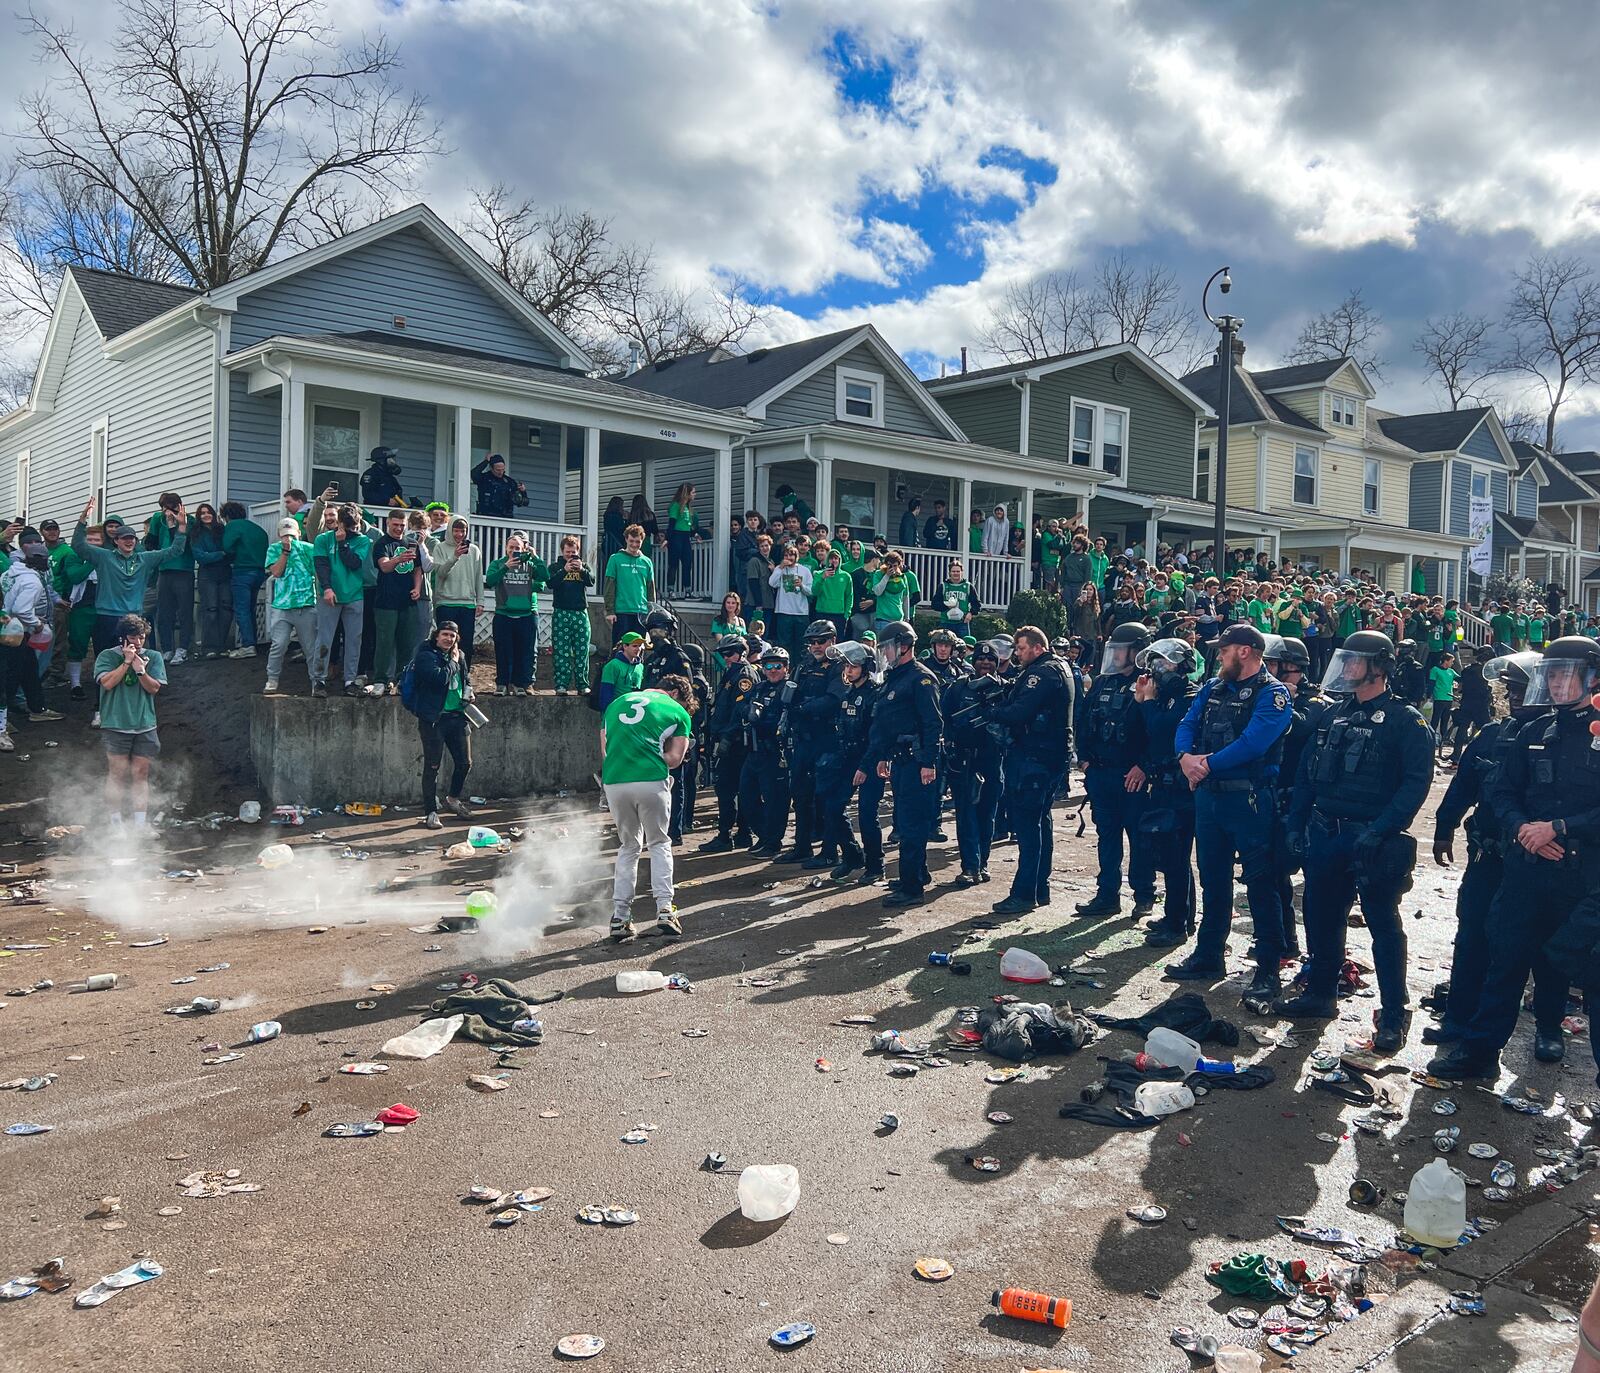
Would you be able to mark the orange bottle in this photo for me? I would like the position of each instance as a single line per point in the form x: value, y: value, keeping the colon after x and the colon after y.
x: 1034, y: 1306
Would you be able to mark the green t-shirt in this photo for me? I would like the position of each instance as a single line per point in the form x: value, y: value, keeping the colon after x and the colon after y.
x: 1519, y: 627
x: 1501, y: 626
x: 454, y: 687
x: 347, y: 582
x: 975, y: 538
x: 681, y: 517
x: 833, y: 595
x: 1348, y: 619
x: 1262, y: 615
x: 1292, y: 620
x: 1156, y: 601
x: 1536, y: 627
x: 1444, y: 683
x: 1051, y: 546
x: 128, y: 708
x: 955, y: 601
x: 245, y: 543
x: 1435, y: 635
x: 637, y: 724
x: 296, y: 586
x: 1099, y: 563
x: 634, y: 575
x: 516, y: 584
x: 899, y: 594
x: 621, y: 674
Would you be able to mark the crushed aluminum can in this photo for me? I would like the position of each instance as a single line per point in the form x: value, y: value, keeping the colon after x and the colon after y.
x: 1445, y: 1107
x: 592, y: 1215
x: 1496, y: 1194
x: 1147, y: 1215
x: 1364, y: 1192
x: 1503, y: 1174
x: 353, y: 1129
x: 889, y: 1122
x: 28, y: 1127
x: 616, y: 1215
x: 583, y: 1346
x: 1446, y: 1139
x: 1001, y: 1075
x: 1467, y: 1304
x: 1482, y: 1150
x: 636, y: 1137
x: 902, y: 1069
x: 1246, y: 1318
x: 795, y: 1333
x: 998, y: 1117
x: 933, y: 1270
x: 1522, y: 1105
x: 714, y: 1163
x: 984, y: 1163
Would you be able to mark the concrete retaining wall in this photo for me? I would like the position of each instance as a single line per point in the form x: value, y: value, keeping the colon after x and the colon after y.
x: 320, y: 753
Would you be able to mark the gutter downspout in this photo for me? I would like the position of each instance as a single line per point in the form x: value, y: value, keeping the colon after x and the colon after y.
x: 284, y: 372
x: 1024, y: 386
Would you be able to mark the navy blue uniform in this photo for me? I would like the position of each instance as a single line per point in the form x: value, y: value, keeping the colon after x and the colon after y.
x: 906, y: 731
x: 726, y: 730
x: 816, y: 683
x: 1168, y: 823
x: 1362, y: 779
x: 1038, y: 713
x: 841, y: 755
x: 1240, y: 727
x: 1308, y: 705
x: 972, y: 762
x: 1110, y: 740
x: 764, y: 783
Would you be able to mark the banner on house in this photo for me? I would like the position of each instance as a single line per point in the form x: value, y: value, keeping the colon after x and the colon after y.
x: 1480, y: 529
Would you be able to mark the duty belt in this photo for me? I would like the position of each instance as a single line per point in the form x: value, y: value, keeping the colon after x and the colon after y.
x: 1230, y: 784
x: 1336, y: 824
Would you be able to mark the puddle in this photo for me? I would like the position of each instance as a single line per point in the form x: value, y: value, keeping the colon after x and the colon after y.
x: 1565, y: 1269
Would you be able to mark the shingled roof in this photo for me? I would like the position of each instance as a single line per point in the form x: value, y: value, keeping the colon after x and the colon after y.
x: 724, y: 380
x: 1444, y: 431
x: 119, y: 302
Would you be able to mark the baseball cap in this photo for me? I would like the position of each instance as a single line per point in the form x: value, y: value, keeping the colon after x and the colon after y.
x: 1248, y: 635
x: 631, y: 638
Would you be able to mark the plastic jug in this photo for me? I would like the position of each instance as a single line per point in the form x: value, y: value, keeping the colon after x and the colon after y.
x: 641, y: 980
x: 249, y: 811
x: 1171, y: 1049
x: 426, y: 1040
x: 1436, y: 1205
x: 1018, y: 965
x: 482, y: 904
x: 768, y: 1191
x: 1162, y: 1098
x: 275, y: 856
x: 482, y: 837
x: 1235, y: 1358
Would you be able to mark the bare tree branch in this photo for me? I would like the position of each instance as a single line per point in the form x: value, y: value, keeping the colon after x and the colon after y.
x: 1457, y: 350
x: 1554, y: 319
x: 1352, y: 329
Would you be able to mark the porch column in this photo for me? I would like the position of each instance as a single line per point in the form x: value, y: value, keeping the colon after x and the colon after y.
x: 295, y: 470
x: 1027, y: 533
x: 1277, y: 547
x: 461, y: 463
x: 964, y: 516
x: 1152, y: 531
x: 647, y: 479
x: 591, y: 498
x: 750, y: 502
x: 825, y: 491
x: 722, y: 516
x: 763, y: 485
x: 1410, y: 563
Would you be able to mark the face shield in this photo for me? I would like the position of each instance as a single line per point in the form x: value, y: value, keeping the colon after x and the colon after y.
x: 1347, y: 671
x: 1162, y: 657
x: 1116, y: 658
x: 1560, y: 682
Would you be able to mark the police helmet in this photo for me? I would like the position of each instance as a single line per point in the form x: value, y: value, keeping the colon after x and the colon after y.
x: 1002, y: 644
x: 1061, y: 646
x: 1566, y: 675
x: 1167, y: 656
x: 1407, y: 648
x: 696, y: 656
x: 731, y: 643
x: 895, y: 634
x: 943, y: 636
x: 851, y: 653
x: 1273, y: 652
x: 1125, y: 642
x: 775, y: 655
x: 819, y: 630
x: 1514, y: 669
x: 1294, y: 651
x: 385, y: 457
x: 661, y: 620
x: 1362, y: 653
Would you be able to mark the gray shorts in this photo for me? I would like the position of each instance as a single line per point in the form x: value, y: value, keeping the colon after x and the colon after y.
x: 121, y: 744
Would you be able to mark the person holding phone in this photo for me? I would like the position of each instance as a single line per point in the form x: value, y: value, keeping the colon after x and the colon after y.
x: 458, y: 581
x: 290, y: 563
x: 516, y: 579
x: 129, y: 676
x: 570, y: 580
x: 342, y: 557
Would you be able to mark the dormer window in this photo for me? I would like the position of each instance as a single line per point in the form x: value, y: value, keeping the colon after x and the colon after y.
x: 1342, y: 410
x: 859, y: 396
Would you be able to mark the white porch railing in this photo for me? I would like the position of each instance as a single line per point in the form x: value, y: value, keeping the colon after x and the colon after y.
x: 702, y: 582
x: 1474, y: 629
x: 995, y: 579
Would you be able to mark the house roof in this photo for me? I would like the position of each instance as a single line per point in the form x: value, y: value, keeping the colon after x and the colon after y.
x: 1519, y: 530
x: 1301, y: 374
x: 1247, y: 403
x: 119, y: 302
x: 1007, y: 368
x: 1584, y: 464
x: 723, y: 380
x: 1444, y: 431
x: 1039, y: 368
x: 1376, y: 438
x: 1562, y: 486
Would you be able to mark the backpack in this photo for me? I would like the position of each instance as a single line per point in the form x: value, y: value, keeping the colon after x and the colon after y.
x: 408, y: 687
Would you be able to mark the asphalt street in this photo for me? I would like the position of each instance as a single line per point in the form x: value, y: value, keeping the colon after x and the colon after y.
x: 361, y: 1253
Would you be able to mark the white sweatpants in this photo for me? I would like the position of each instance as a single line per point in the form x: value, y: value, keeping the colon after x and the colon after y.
x: 641, y: 811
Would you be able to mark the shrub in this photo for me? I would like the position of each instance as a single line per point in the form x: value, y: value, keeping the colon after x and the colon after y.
x: 986, y: 626
x: 1039, y: 608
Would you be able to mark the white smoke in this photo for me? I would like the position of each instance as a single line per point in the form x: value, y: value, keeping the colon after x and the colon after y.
x: 549, y: 881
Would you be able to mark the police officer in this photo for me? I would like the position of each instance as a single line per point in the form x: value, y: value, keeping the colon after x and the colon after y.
x: 842, y: 745
x: 816, y: 677
x: 1110, y: 741
x: 904, y: 749
x: 973, y: 760
x: 686, y: 776
x: 380, y: 483
x: 1362, y: 779
x: 1164, y: 693
x: 1546, y: 795
x: 1408, y: 682
x: 942, y: 660
x: 764, y: 782
x: 1289, y: 661
x: 726, y: 730
x: 1467, y: 798
x: 1037, y: 713
x: 663, y: 657
x: 1229, y: 746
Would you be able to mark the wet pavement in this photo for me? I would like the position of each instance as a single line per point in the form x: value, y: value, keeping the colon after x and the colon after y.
x: 361, y: 1252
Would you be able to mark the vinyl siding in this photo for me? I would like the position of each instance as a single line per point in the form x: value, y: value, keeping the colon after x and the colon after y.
x: 365, y: 288
x: 159, y: 435
x: 1161, y: 427
x: 1480, y: 444
x: 255, y: 460
x: 411, y: 428
x: 1280, y: 474
x: 1427, y: 488
x: 1527, y: 498
x: 1460, y: 499
x: 1500, y: 491
x: 1394, y: 489
x: 987, y: 414
x: 537, y: 468
x: 815, y: 400
x: 1307, y: 404
x: 1241, y: 465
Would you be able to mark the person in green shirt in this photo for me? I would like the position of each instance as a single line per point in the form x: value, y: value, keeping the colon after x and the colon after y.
x: 791, y: 504
x: 1442, y: 695
x: 1502, y: 628
x: 244, y: 542
x: 1262, y: 610
x: 174, y: 582
x: 975, y: 533
x: 956, y: 602
x: 727, y: 622
x: 851, y: 558
x: 624, y: 670
x: 1347, y: 618
x: 570, y: 579
x: 1519, y: 629
x: 1051, y: 547
x: 516, y: 579
x: 833, y: 594
x: 341, y: 557
x: 441, y: 693
x: 1099, y: 565
x: 896, y: 590
x: 129, y: 676
x: 71, y: 576
x: 291, y: 564
x: 1536, y: 631
x: 683, y: 528
x: 644, y: 735
x: 630, y: 585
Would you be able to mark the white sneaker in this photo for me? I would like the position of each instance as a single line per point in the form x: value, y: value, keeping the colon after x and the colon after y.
x: 181, y: 656
x: 243, y: 653
x: 432, y: 821
x: 271, y: 688
x: 95, y: 723
x: 7, y: 743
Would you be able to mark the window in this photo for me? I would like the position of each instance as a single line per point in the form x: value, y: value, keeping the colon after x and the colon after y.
x: 24, y: 463
x: 1370, y: 483
x: 1202, y: 475
x: 1112, y: 442
x: 859, y: 395
x: 1305, y: 476
x: 1480, y: 483
x: 1100, y: 438
x: 99, y: 458
x: 1083, y: 436
x: 855, y: 503
x: 336, y: 449
x: 1343, y: 409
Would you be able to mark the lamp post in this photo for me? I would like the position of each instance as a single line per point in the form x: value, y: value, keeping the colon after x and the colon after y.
x: 1227, y: 326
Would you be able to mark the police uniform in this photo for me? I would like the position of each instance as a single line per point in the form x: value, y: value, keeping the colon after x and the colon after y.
x: 665, y: 659
x: 686, y: 776
x: 906, y: 730
x: 1110, y: 741
x: 1168, y: 820
x: 841, y: 754
x: 1239, y: 727
x: 1362, y: 779
x: 814, y: 681
x: 764, y: 782
x: 973, y: 763
x: 1038, y: 714
x: 1307, y: 704
x: 726, y: 730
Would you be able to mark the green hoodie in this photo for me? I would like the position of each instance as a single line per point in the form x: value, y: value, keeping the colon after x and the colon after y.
x: 158, y: 536
x: 516, y: 585
x: 122, y: 581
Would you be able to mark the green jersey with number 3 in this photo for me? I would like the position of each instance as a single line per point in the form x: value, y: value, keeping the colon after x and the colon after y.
x: 637, y: 725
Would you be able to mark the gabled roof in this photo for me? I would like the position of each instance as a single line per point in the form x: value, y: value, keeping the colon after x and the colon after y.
x: 721, y: 379
x: 1561, y: 485
x: 119, y: 303
x: 1520, y: 530
x: 1008, y: 369
x: 1443, y: 431
x: 1247, y: 403
x: 1583, y: 464
x: 1300, y: 374
x: 1033, y: 370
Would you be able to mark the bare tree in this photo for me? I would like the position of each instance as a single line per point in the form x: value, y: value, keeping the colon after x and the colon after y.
x: 1554, y: 319
x: 1059, y: 313
x: 1522, y: 423
x: 1457, y: 350
x: 1352, y: 329
x: 225, y: 128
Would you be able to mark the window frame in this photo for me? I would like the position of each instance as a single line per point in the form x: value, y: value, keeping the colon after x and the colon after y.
x: 1208, y: 467
x: 1375, y: 466
x: 368, y: 429
x: 1097, y: 442
x: 1315, y: 477
x: 24, y: 480
x: 842, y: 377
x: 1343, y: 409
x: 100, y: 463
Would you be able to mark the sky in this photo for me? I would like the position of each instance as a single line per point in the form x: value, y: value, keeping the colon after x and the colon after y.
x: 905, y: 163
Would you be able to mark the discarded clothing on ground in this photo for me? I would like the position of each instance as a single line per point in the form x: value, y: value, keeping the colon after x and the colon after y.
x: 491, y: 1011
x: 1023, y: 1030
x: 1121, y: 1081
x: 1245, y: 1080
x: 1255, y: 1275
x: 1187, y: 1013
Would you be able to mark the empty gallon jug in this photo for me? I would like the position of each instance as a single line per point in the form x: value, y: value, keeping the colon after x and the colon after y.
x: 482, y: 837
x: 275, y: 856
x: 249, y: 811
x: 1162, y: 1098
x: 1171, y: 1049
x: 482, y: 904
x: 1018, y: 965
x: 1436, y: 1205
x: 641, y: 980
x: 768, y: 1191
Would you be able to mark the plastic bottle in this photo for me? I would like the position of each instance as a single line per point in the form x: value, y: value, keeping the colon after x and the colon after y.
x: 1162, y: 1098
x: 275, y: 856
x: 768, y: 1191
x: 1171, y: 1049
x: 1018, y: 965
x: 482, y: 904
x: 1217, y: 1067
x: 1033, y: 1306
x: 1436, y: 1205
x: 633, y: 980
x: 249, y: 811
x: 482, y: 837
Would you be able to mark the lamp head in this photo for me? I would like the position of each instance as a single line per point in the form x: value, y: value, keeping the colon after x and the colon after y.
x: 1226, y: 284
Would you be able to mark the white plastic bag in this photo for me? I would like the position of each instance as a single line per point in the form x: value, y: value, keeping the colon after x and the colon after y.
x: 275, y: 856
x: 768, y: 1191
x: 633, y: 980
x: 1018, y: 965
x: 426, y: 1040
x: 1162, y: 1098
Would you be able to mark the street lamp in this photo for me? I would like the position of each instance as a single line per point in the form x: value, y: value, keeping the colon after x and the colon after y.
x: 1227, y: 326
